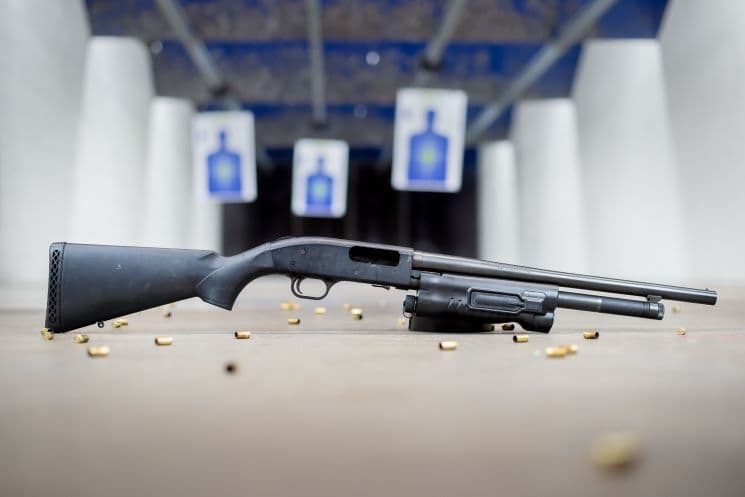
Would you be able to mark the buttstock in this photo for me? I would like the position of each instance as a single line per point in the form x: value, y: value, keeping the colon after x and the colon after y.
x: 91, y: 283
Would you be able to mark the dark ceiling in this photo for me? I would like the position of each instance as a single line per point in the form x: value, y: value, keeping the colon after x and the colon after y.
x: 371, y: 49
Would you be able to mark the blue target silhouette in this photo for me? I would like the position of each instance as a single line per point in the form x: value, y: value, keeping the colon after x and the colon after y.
x: 428, y: 153
x: 319, y: 190
x: 224, y: 170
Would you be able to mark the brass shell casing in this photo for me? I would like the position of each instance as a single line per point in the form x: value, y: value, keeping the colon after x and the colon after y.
x: 556, y: 352
x: 101, y: 351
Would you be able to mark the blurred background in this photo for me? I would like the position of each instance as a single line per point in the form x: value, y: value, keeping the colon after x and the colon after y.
x: 592, y: 136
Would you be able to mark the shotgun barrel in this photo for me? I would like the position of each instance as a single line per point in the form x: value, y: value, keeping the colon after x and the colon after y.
x: 462, y: 265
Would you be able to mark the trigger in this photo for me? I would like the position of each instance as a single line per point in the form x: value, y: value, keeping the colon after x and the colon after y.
x: 295, y: 287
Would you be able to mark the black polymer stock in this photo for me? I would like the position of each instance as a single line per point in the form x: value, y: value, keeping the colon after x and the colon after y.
x: 94, y: 283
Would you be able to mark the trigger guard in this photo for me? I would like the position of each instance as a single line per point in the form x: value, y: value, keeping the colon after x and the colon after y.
x: 297, y: 291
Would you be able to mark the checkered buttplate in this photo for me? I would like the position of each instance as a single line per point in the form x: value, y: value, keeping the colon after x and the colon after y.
x: 56, y: 251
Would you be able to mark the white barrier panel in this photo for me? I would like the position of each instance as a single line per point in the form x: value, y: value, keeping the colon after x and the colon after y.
x: 498, y: 213
x: 703, y: 48
x: 168, y: 176
x: 109, y: 180
x: 630, y: 180
x: 42, y: 52
x: 544, y: 133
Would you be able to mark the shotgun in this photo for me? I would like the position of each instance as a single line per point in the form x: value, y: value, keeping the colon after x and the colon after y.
x: 94, y: 283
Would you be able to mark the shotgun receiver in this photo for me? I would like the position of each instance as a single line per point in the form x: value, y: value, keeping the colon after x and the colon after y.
x: 93, y: 283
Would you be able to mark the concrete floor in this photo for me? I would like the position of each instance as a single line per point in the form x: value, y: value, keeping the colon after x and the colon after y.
x: 341, y: 407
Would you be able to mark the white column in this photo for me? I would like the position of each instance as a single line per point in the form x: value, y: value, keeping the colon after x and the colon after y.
x: 168, y: 176
x: 109, y: 174
x: 206, y: 214
x: 703, y: 49
x: 206, y: 224
x: 544, y: 133
x: 42, y: 52
x: 498, y: 214
x: 628, y: 164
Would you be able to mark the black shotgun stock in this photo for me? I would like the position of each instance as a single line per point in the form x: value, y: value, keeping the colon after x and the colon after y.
x: 93, y: 283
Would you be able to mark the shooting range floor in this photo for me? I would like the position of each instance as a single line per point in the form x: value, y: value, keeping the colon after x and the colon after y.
x: 341, y: 407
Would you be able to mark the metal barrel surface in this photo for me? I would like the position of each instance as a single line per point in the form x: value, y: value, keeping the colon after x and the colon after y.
x: 464, y: 265
x: 611, y: 305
